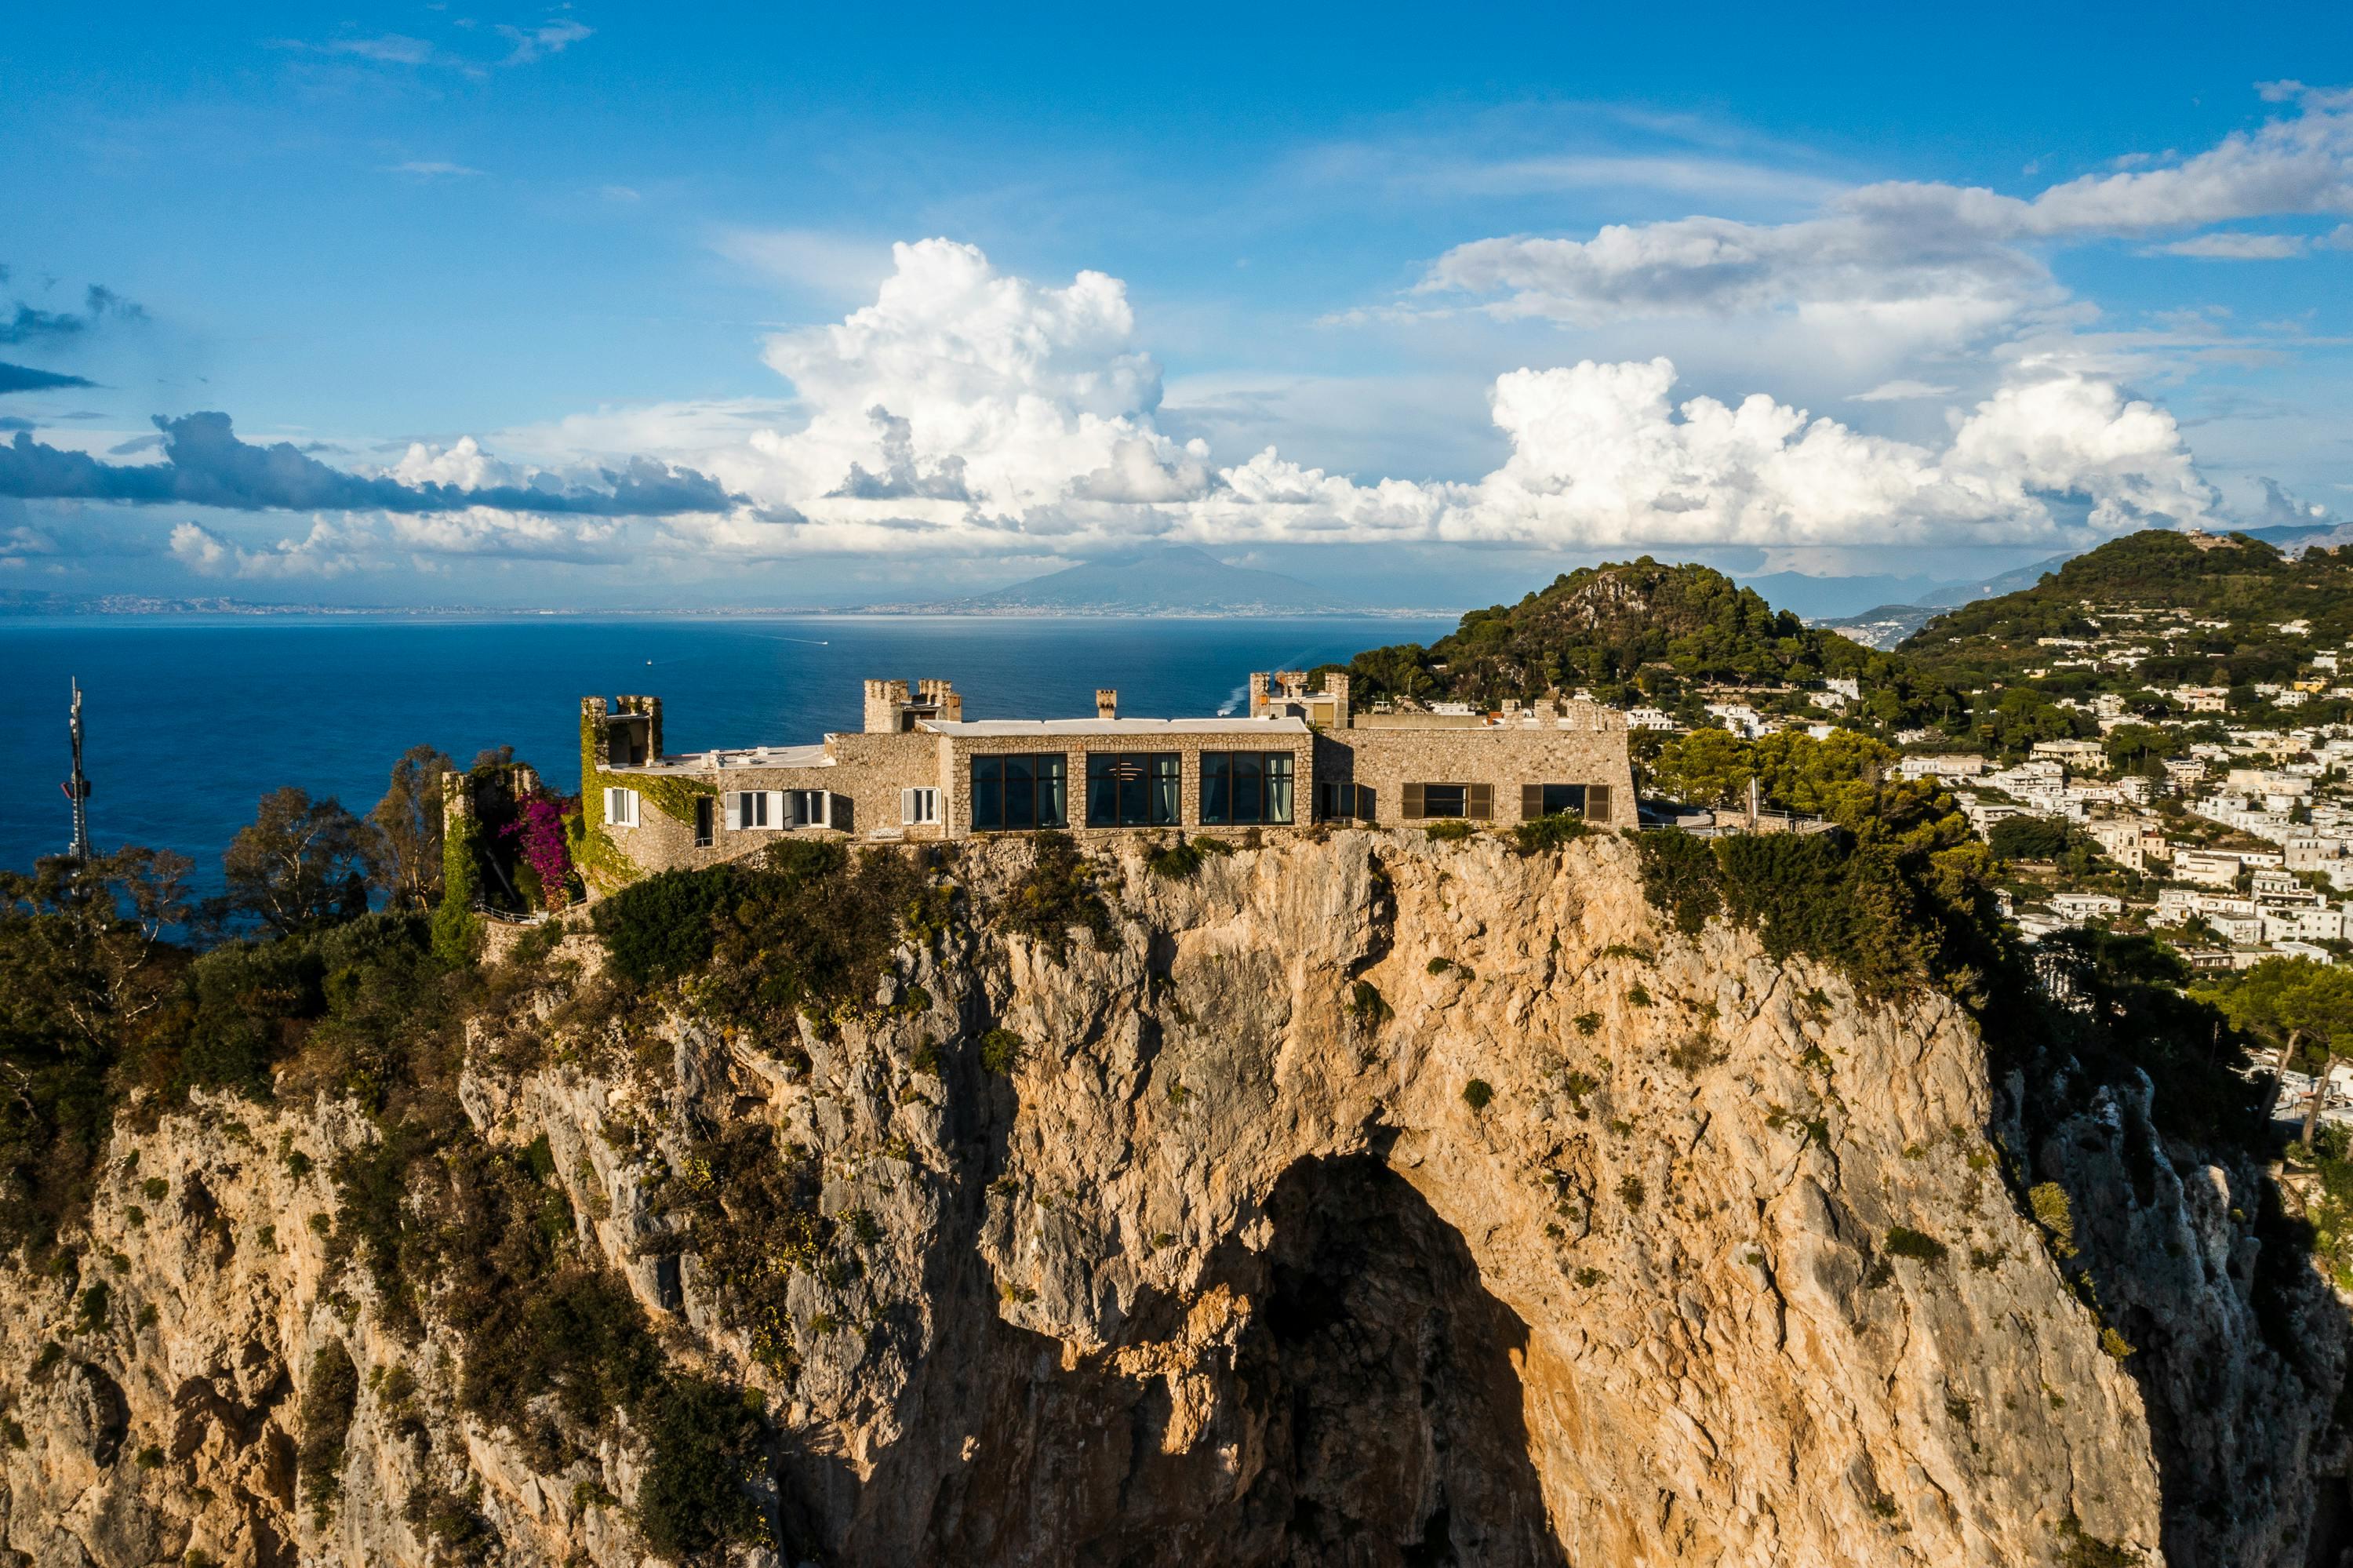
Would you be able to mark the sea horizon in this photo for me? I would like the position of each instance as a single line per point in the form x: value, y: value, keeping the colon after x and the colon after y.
x: 192, y: 718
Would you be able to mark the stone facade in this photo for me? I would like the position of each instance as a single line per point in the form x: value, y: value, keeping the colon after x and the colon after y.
x: 919, y: 740
x: 1504, y: 758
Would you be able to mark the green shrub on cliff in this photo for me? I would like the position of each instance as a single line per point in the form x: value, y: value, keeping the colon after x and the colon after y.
x: 1905, y: 1242
x: 751, y: 1207
x: 1001, y: 1051
x: 1182, y: 862
x: 1680, y: 875
x: 708, y: 1446
x: 1056, y: 896
x: 810, y: 927
x: 813, y: 929
x: 1905, y: 901
x: 328, y: 1403
x: 1543, y: 833
x: 661, y: 927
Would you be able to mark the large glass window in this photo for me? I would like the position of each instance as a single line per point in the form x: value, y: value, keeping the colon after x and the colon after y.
x: 1246, y: 787
x: 1014, y: 791
x: 1131, y: 790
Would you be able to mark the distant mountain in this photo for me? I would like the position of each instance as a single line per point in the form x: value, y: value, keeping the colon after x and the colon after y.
x: 2295, y: 538
x: 1170, y: 579
x: 1882, y: 626
x: 1820, y: 600
x: 1960, y: 593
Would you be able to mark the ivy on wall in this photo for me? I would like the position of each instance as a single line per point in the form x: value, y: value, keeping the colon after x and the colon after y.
x: 673, y: 797
x: 592, y: 850
x: 599, y: 860
x: 457, y: 930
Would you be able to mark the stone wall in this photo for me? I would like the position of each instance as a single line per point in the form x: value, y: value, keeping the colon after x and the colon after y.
x: 867, y: 770
x: 1501, y: 758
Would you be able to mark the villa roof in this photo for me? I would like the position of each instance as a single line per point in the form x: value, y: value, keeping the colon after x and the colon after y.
x: 1138, y: 727
x: 747, y: 757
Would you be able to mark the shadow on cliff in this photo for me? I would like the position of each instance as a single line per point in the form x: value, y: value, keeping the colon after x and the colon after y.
x: 1369, y: 1415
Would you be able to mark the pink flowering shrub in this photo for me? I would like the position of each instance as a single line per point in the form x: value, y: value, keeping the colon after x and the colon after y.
x: 538, y: 832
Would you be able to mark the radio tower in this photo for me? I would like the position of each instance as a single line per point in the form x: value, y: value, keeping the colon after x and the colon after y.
x: 77, y: 788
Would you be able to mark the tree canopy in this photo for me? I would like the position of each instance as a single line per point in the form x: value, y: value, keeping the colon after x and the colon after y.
x: 301, y: 864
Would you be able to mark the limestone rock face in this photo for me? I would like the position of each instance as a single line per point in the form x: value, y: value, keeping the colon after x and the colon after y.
x: 1362, y: 1201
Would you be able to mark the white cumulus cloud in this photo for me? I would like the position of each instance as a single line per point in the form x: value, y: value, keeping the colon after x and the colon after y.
x: 342, y: 542
x: 333, y: 547
x: 2239, y: 247
x: 971, y: 412
x: 962, y: 386
x: 1917, y: 265
x: 1599, y: 456
x: 462, y: 463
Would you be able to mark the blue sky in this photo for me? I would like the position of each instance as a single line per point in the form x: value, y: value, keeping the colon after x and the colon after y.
x: 2028, y: 276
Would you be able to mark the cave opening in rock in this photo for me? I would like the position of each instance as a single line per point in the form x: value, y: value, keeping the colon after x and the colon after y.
x: 1369, y: 1415
x: 1384, y: 1377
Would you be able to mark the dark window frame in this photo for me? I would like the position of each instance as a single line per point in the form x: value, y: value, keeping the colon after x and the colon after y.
x: 1246, y: 789
x: 1553, y: 799
x: 1455, y: 802
x: 1134, y: 788
x: 1445, y: 802
x: 1020, y: 792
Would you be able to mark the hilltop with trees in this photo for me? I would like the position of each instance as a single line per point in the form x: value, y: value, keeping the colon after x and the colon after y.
x: 1981, y: 676
x: 2246, y: 588
x: 1638, y: 632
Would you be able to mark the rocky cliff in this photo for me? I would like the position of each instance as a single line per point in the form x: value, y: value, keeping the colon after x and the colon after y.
x: 1356, y: 1201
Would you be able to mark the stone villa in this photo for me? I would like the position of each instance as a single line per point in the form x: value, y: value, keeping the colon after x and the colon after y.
x: 920, y: 770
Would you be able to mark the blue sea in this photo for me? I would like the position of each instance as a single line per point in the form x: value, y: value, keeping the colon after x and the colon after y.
x: 190, y: 720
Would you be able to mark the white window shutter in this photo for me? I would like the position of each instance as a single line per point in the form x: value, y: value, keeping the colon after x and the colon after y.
x: 734, y: 811
x: 777, y: 809
x: 907, y: 812
x: 612, y: 807
x: 632, y: 806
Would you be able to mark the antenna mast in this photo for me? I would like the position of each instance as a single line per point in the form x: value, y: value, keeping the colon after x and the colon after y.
x: 78, y: 788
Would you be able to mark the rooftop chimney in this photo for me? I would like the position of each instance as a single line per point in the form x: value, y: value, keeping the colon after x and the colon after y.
x: 1106, y: 702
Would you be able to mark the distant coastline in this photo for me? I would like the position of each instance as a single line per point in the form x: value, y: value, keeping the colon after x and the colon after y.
x: 118, y: 605
x: 1165, y: 583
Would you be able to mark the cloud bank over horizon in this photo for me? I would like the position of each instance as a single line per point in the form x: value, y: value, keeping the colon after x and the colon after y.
x: 970, y: 412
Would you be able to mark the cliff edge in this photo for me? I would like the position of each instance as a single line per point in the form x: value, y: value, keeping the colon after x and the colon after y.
x: 1360, y: 1199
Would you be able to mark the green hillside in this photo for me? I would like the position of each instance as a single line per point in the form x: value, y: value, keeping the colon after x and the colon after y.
x: 2140, y: 616
x: 2136, y: 605
x: 1646, y: 631
x: 1639, y: 626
